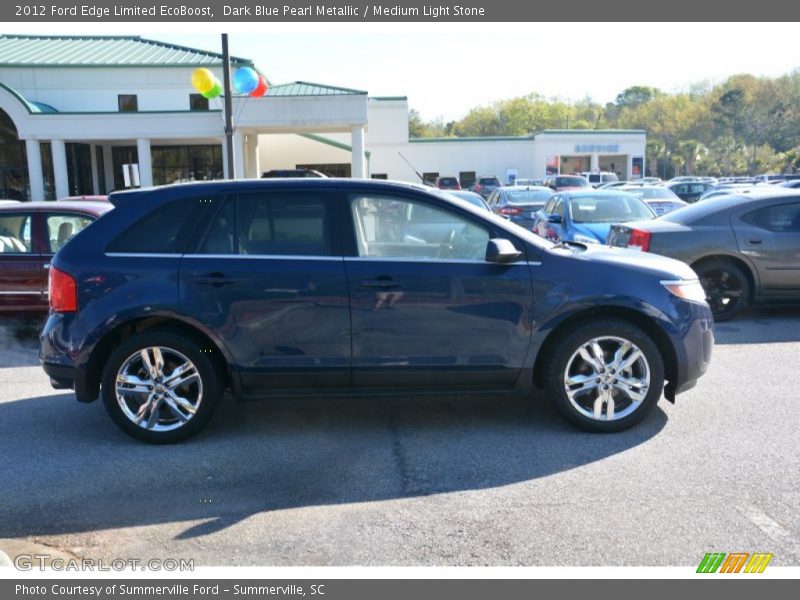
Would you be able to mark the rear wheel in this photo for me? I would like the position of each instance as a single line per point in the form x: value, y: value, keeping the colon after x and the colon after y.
x: 727, y: 288
x: 159, y: 387
x: 605, y: 376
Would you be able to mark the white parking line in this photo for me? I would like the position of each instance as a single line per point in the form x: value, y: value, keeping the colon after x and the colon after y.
x: 773, y: 530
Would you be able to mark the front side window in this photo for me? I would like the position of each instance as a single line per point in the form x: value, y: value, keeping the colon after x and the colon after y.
x: 15, y: 234
x: 392, y: 227
x: 61, y: 228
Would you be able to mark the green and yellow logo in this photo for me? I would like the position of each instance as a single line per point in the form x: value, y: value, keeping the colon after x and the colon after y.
x: 736, y: 562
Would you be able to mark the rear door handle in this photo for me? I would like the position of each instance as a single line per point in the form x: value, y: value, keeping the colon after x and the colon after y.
x: 384, y: 284
x: 215, y: 279
x: 754, y: 242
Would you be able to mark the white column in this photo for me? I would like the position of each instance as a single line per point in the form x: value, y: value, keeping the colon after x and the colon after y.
x: 251, y: 162
x: 35, y: 174
x: 60, y: 172
x: 145, y: 162
x: 238, y: 154
x: 359, y: 159
x: 95, y: 176
x: 224, y: 143
x: 108, y: 167
x: 595, y: 163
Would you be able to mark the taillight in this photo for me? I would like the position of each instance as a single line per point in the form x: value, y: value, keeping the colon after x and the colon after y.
x: 510, y: 210
x: 640, y: 239
x: 63, y: 291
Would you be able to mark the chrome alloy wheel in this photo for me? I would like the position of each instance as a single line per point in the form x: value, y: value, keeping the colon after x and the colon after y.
x: 607, y: 378
x: 158, y: 388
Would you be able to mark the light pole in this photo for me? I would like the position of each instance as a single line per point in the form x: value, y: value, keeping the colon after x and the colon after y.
x: 226, y: 81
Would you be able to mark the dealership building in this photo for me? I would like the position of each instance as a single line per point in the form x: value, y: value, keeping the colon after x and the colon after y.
x: 76, y: 111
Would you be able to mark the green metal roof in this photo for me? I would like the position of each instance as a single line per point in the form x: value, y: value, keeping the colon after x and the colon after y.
x: 496, y: 138
x: 101, y: 51
x: 304, y: 88
x: 589, y: 131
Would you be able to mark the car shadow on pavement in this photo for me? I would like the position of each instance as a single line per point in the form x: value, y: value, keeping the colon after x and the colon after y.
x: 67, y: 469
x: 761, y: 325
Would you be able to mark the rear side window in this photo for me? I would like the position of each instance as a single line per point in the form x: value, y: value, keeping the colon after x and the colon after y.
x: 165, y: 230
x: 62, y: 227
x: 276, y: 223
x: 779, y: 218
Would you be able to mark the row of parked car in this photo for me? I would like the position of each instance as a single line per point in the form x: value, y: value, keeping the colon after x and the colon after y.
x: 743, y: 240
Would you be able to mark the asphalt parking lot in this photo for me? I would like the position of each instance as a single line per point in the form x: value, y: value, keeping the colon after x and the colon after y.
x: 442, y: 481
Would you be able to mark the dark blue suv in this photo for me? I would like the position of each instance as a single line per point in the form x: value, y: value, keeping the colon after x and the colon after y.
x: 308, y: 287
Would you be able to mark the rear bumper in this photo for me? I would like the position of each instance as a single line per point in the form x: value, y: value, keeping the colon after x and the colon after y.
x: 64, y: 377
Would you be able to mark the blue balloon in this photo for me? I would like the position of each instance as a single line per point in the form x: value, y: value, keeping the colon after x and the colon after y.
x: 245, y: 80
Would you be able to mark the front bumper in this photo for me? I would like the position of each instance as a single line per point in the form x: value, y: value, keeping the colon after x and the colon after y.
x: 693, y: 342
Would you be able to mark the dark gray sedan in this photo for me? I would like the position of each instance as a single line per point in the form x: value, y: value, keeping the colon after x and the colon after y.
x: 519, y: 203
x: 745, y: 249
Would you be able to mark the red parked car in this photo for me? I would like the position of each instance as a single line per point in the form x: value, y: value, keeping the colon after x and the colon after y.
x: 30, y: 234
x: 448, y: 183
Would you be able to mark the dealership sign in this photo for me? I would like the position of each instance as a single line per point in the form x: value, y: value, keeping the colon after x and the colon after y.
x: 613, y: 148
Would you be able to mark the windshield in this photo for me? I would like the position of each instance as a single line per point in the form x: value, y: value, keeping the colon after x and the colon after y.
x: 608, y: 209
x: 653, y: 193
x: 489, y: 181
x: 571, y: 182
x: 525, y: 196
x: 471, y: 198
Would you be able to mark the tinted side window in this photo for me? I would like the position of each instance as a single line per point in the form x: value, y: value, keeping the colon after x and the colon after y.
x: 165, y: 230
x: 283, y: 223
x: 779, y: 218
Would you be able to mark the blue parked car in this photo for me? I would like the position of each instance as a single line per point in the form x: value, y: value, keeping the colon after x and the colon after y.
x: 586, y: 217
x: 298, y: 287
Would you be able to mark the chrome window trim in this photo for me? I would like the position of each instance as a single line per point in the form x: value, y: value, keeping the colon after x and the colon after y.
x: 143, y: 254
x: 267, y: 256
x: 411, y: 259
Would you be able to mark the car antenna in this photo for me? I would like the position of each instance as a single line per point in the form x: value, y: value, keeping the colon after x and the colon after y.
x: 421, y: 178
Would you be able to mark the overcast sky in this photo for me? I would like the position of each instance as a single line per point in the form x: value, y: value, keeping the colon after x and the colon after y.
x: 446, y: 68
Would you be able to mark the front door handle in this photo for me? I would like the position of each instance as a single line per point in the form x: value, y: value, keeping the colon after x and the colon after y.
x: 754, y: 242
x: 215, y: 279
x: 384, y: 283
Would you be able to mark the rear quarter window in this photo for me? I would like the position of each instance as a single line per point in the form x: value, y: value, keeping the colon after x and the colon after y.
x: 166, y: 229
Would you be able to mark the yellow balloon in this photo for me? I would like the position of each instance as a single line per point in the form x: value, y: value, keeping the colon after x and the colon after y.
x: 203, y: 80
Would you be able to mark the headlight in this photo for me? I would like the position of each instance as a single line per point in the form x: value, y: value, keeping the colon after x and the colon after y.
x: 686, y: 289
x: 584, y: 239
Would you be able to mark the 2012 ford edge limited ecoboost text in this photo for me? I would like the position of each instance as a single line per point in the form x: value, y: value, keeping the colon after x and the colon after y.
x: 309, y: 287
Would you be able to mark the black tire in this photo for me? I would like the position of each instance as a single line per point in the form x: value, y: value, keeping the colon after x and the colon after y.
x: 562, y: 356
x: 209, y: 382
x: 727, y: 288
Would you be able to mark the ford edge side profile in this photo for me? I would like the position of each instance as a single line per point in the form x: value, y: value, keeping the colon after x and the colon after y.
x: 309, y: 287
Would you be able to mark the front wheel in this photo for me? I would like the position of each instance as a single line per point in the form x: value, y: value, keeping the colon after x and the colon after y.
x: 605, y: 376
x: 159, y: 387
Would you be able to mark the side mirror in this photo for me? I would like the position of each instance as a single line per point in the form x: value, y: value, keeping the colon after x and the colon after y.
x: 502, y: 251
x: 554, y: 218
